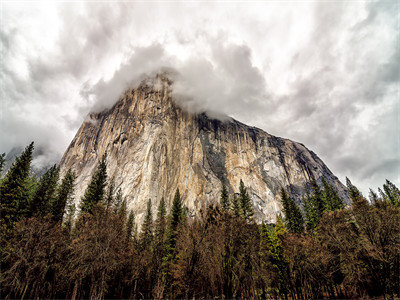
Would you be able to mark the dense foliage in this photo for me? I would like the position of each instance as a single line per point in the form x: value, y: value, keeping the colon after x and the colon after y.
x: 320, y: 250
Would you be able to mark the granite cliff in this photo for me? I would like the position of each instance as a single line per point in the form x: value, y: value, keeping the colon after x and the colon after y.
x: 155, y: 146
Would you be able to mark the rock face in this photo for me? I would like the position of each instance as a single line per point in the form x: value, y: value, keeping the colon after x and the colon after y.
x: 155, y: 147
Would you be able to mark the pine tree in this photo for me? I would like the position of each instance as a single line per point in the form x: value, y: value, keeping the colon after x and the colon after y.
x: 264, y: 242
x: 176, y: 211
x: 245, y: 202
x: 279, y: 264
x: 224, y: 201
x: 236, y: 206
x: 330, y: 198
x: 392, y: 193
x: 354, y: 194
x: 373, y: 197
x: 64, y: 196
x: 160, y: 224
x: 314, y: 205
x: 44, y: 196
x: 293, y: 217
x: 109, y: 199
x: 382, y: 194
x: 14, y: 190
x: 95, y: 191
x: 123, y: 209
x: 129, y: 227
x: 171, y: 239
x: 298, y: 220
x: 161, y: 213
x: 147, y: 228
x: 316, y: 195
x: 286, y: 205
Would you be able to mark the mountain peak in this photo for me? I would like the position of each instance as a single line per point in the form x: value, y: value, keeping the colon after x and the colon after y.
x: 155, y: 146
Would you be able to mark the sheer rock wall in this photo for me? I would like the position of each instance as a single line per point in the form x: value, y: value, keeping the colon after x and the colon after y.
x: 153, y: 147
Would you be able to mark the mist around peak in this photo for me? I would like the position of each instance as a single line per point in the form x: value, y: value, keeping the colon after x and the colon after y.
x: 220, y: 86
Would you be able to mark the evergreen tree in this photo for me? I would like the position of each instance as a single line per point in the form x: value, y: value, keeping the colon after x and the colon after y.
x: 286, y: 205
x: 176, y: 211
x: 293, y: 217
x: 330, y: 198
x: 129, y: 227
x: 147, y: 228
x: 236, y: 206
x: 14, y: 190
x: 316, y: 195
x: 161, y: 213
x: 224, y: 201
x: 279, y: 264
x: 64, y: 196
x: 298, y: 220
x: 95, y: 191
x: 160, y: 225
x: 123, y: 209
x: 171, y: 239
x: 392, y: 193
x: 353, y: 192
x: 160, y: 222
x: 382, y: 194
x: 44, y: 196
x: 109, y: 199
x: 314, y: 204
x: 245, y: 202
x: 373, y: 197
x: 264, y: 243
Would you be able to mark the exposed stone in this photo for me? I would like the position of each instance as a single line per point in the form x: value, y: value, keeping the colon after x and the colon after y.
x: 154, y: 147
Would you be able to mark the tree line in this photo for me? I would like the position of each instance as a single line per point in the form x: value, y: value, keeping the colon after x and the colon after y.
x: 321, y: 249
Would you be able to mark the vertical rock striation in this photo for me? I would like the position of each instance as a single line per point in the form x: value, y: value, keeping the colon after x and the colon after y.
x: 154, y: 147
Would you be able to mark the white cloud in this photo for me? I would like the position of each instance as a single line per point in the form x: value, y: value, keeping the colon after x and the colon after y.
x: 322, y: 73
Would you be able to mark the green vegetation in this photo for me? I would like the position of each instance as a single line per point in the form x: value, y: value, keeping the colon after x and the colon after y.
x: 95, y: 191
x: 224, y: 201
x: 294, y: 218
x: 320, y: 250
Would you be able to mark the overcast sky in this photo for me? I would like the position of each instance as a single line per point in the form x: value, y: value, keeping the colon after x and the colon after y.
x: 325, y: 73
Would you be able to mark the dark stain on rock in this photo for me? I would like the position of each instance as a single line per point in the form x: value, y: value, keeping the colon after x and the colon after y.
x: 216, y: 159
x: 253, y: 133
x: 278, y: 143
x: 273, y: 184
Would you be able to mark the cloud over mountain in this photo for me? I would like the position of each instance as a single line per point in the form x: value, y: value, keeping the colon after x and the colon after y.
x: 324, y: 74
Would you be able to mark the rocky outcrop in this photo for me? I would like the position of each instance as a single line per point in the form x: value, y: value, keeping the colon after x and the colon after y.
x: 154, y: 147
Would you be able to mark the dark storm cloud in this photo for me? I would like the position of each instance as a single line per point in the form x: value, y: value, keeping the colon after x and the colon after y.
x: 322, y: 73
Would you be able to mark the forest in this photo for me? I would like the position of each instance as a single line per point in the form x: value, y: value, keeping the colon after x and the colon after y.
x: 322, y: 249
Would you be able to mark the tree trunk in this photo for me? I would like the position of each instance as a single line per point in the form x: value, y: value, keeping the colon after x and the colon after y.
x: 134, y: 290
x: 75, y: 290
x: 23, y: 295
